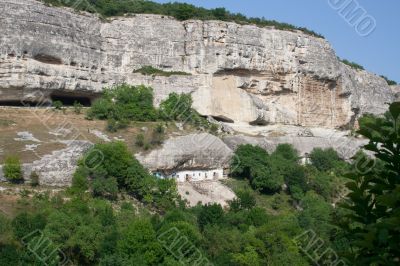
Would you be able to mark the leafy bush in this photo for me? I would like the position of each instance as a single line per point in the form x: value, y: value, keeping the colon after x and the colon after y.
x: 140, y: 140
x: 151, y: 71
x: 34, y: 179
x: 324, y: 159
x: 12, y: 169
x: 105, y: 188
x: 389, y: 82
x: 286, y: 152
x: 158, y: 135
x: 114, y: 125
x: 119, y: 170
x: 77, y: 107
x: 58, y: 105
x: 124, y: 103
x: 253, y: 163
x: 210, y: 214
x: 245, y: 201
x: 352, y: 64
x: 371, y: 224
x: 181, y: 11
x: 178, y: 107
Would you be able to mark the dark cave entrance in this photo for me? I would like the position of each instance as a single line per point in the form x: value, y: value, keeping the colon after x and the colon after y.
x: 68, y: 99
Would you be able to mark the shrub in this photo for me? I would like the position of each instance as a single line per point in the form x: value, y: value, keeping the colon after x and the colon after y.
x: 178, y: 107
x: 253, y: 163
x: 324, y: 159
x: 58, y: 105
x: 34, y: 179
x: 210, y: 214
x: 12, y: 169
x: 140, y: 140
x: 77, y: 107
x: 114, y: 125
x: 158, y: 135
x: 389, y: 82
x: 245, y: 201
x: 123, y: 103
x: 105, y: 187
x: 80, y: 180
x: 287, y: 152
x: 352, y: 64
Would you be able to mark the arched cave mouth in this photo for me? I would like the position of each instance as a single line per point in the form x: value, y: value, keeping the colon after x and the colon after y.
x: 69, y: 99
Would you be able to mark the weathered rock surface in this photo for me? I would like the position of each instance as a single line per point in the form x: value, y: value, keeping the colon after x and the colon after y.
x: 396, y: 91
x: 241, y: 72
x: 346, y: 146
x: 56, y: 169
x: 194, y: 151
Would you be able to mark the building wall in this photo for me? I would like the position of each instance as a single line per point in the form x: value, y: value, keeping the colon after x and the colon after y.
x: 198, y: 175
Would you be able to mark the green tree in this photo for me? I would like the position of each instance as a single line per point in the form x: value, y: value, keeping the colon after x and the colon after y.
x: 139, y: 241
x: 324, y: 159
x: 105, y: 187
x: 372, y: 224
x: 287, y: 152
x: 245, y: 200
x: 124, y: 103
x: 210, y: 214
x: 253, y: 163
x: 24, y: 224
x: 12, y: 169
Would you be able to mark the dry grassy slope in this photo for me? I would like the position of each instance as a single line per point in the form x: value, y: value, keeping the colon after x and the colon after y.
x: 44, y: 123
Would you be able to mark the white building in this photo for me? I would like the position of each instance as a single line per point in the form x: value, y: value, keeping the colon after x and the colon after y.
x: 195, y: 175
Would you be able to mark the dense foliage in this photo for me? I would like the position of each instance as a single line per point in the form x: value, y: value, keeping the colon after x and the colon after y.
x: 180, y: 11
x: 110, y: 168
x: 117, y: 213
x: 372, y: 222
x: 12, y: 169
x: 122, y: 104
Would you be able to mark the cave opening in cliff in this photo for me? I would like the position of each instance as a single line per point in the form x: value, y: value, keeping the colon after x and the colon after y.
x: 68, y: 99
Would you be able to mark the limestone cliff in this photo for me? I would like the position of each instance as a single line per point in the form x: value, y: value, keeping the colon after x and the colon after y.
x: 242, y: 73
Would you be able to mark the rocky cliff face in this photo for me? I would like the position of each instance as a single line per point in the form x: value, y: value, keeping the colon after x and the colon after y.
x: 396, y: 91
x: 238, y: 72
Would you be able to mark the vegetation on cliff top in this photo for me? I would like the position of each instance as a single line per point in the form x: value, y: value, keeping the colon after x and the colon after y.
x: 389, y: 81
x: 180, y: 11
x: 352, y: 64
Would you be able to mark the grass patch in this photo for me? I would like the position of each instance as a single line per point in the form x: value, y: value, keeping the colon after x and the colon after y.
x: 151, y: 71
x: 6, y: 122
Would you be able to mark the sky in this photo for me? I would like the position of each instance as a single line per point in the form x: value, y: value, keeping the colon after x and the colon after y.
x: 376, y: 46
